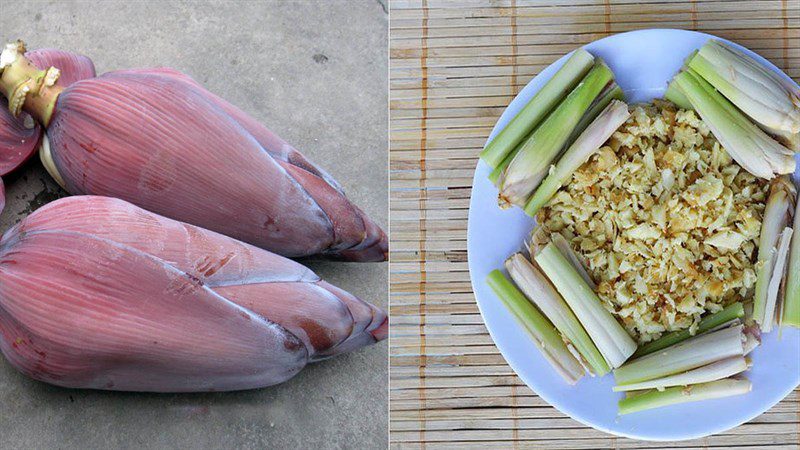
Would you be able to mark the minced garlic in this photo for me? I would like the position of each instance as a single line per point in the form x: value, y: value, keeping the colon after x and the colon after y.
x: 666, y: 221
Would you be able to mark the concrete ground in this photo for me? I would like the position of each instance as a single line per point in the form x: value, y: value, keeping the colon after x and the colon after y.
x: 315, y: 73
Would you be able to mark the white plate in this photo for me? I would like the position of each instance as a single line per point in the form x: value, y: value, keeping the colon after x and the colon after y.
x: 643, y: 62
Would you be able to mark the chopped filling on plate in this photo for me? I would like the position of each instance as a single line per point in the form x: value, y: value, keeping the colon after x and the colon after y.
x: 666, y: 221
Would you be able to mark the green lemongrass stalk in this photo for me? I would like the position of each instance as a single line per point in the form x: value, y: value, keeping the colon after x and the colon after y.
x: 756, y: 90
x: 748, y: 144
x: 564, y: 80
x: 592, y: 138
x: 791, y: 300
x: 777, y: 215
x: 543, y: 333
x: 675, y: 95
x: 776, y: 280
x: 563, y: 246
x: 612, y: 91
x: 539, y: 290
x: 729, y: 313
x: 690, y: 354
x: 718, y: 370
x: 531, y: 163
x: 611, y: 339
x: 679, y: 394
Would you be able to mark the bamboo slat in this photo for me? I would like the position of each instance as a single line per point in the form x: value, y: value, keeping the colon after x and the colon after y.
x: 455, y: 65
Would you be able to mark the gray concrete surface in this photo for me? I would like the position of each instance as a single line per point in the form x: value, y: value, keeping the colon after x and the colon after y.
x: 314, y: 72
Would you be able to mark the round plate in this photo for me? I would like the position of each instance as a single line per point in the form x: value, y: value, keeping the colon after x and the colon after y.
x: 643, y: 62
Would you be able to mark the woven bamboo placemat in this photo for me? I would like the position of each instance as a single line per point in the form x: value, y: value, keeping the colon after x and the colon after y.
x: 455, y: 65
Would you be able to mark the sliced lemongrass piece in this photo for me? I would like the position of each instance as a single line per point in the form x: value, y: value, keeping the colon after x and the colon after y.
x: 749, y: 145
x: 690, y: 354
x: 538, y: 289
x: 611, y: 339
x: 717, y: 370
x: 563, y: 246
x: 791, y: 299
x: 587, y: 143
x: 679, y: 394
x: 612, y: 91
x: 550, y: 95
x: 777, y: 215
x: 675, y: 95
x: 756, y: 90
x: 542, y: 332
x: 775, y: 281
x: 530, y: 165
x: 708, y: 323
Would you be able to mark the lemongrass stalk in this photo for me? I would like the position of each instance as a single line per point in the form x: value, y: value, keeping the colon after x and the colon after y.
x: 718, y: 370
x: 538, y: 289
x: 756, y: 90
x: 592, y: 138
x: 750, y: 146
x: 611, y: 339
x: 530, y: 165
x: 675, y: 95
x: 791, y: 300
x: 542, y: 332
x: 777, y: 215
x: 553, y: 91
x: 612, y: 91
x: 671, y: 396
x: 563, y: 246
x: 690, y: 354
x: 729, y: 313
x: 775, y: 281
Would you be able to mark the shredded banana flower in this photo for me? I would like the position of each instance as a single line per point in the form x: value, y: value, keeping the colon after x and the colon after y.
x: 666, y: 221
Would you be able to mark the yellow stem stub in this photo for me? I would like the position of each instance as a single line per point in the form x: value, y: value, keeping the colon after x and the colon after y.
x: 25, y: 85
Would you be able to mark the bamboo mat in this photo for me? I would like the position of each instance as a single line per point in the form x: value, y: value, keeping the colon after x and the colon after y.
x: 455, y: 65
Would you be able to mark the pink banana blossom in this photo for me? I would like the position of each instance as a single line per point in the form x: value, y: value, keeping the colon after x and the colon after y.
x: 156, y: 138
x: 98, y: 293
